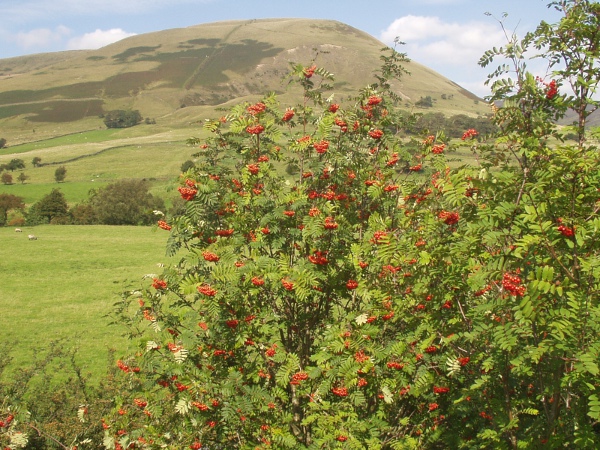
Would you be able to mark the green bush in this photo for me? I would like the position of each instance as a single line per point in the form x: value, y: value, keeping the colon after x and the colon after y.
x: 371, y: 304
x: 122, y: 119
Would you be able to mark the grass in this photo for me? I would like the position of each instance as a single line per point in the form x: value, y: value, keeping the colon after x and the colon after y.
x: 63, y: 285
x: 69, y: 139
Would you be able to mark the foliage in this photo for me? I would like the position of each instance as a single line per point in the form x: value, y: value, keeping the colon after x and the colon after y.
x: 380, y: 299
x: 6, y: 178
x: 122, y: 119
x: 125, y: 202
x: 51, y: 207
x: 51, y: 403
x: 15, y: 164
x: 2, y: 142
x: 83, y: 214
x: 36, y: 161
x: 9, y: 202
x: 60, y: 174
x: 23, y: 178
x: 452, y: 126
x: 187, y: 165
x: 425, y: 102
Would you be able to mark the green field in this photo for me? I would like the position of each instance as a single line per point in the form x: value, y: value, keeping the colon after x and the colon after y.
x: 63, y: 284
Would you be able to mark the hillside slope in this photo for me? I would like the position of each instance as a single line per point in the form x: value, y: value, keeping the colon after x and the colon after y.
x: 174, y: 75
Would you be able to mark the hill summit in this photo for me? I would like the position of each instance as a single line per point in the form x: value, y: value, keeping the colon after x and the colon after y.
x: 162, y: 73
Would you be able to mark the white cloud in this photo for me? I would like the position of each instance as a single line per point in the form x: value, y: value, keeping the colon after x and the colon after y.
x: 40, y: 37
x: 97, y: 39
x: 429, y: 39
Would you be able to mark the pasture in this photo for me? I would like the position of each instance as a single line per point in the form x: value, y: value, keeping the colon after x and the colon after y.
x: 62, y: 286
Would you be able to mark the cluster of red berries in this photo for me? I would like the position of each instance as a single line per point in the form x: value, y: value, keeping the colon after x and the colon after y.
x: 210, y: 256
x: 395, y: 365
x: 511, y: 282
x: 551, y: 88
x: 309, y: 71
x: 440, y: 390
x: 164, y: 225
x: 287, y: 284
x: 159, y: 284
x: 449, y: 217
x: 376, y: 134
x: 566, y: 231
x: 207, y: 290
x: 438, y: 149
x: 140, y: 403
x: 299, y: 377
x: 340, y: 391
x: 469, y: 134
x: 253, y: 168
x: 256, y: 108
x: 255, y: 129
x: 318, y: 258
x: 187, y: 193
x: 6, y: 422
x: 233, y: 323
x: 321, y: 147
x: 330, y: 223
x: 352, y: 284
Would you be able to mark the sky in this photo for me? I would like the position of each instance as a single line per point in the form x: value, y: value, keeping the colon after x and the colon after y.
x: 449, y: 36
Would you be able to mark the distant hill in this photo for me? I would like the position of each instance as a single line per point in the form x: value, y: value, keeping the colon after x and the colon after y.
x: 174, y: 75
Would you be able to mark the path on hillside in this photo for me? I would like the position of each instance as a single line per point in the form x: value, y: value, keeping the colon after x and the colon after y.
x: 191, y: 81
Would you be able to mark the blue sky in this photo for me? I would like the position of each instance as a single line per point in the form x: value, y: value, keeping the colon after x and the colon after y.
x: 448, y: 36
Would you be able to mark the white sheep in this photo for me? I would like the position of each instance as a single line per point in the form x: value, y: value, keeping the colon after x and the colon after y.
x: 18, y: 230
x: 32, y: 237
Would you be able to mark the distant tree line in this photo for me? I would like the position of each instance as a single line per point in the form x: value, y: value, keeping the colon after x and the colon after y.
x: 120, y: 118
x: 452, y: 126
x: 125, y: 202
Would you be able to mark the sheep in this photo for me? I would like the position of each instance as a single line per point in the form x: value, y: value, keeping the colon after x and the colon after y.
x: 32, y: 237
x: 18, y: 230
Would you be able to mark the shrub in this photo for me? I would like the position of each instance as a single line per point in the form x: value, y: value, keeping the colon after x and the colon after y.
x: 125, y: 202
x: 6, y: 178
x: 9, y: 202
x: 362, y: 305
x: 122, y: 119
x: 51, y: 207
x: 60, y: 174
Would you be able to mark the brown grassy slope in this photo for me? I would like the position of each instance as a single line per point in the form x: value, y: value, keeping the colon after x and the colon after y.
x: 195, y: 68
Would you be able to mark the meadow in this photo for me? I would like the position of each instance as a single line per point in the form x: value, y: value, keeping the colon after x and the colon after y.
x: 63, y: 285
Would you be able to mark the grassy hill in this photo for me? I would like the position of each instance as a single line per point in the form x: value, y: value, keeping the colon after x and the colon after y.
x: 50, y: 104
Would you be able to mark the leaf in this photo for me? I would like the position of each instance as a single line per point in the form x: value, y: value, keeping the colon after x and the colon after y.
x: 453, y: 366
x: 362, y: 319
x: 594, y: 407
x: 388, y: 397
x: 183, y: 406
x: 151, y: 345
x: 180, y: 355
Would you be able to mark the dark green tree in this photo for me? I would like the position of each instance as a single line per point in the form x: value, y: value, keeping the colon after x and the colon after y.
x: 120, y: 118
x: 2, y: 142
x: 22, y: 177
x: 16, y: 164
x: 60, y: 174
x: 36, y: 161
x: 7, y: 203
x: 187, y: 165
x: 50, y: 208
x: 126, y: 202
